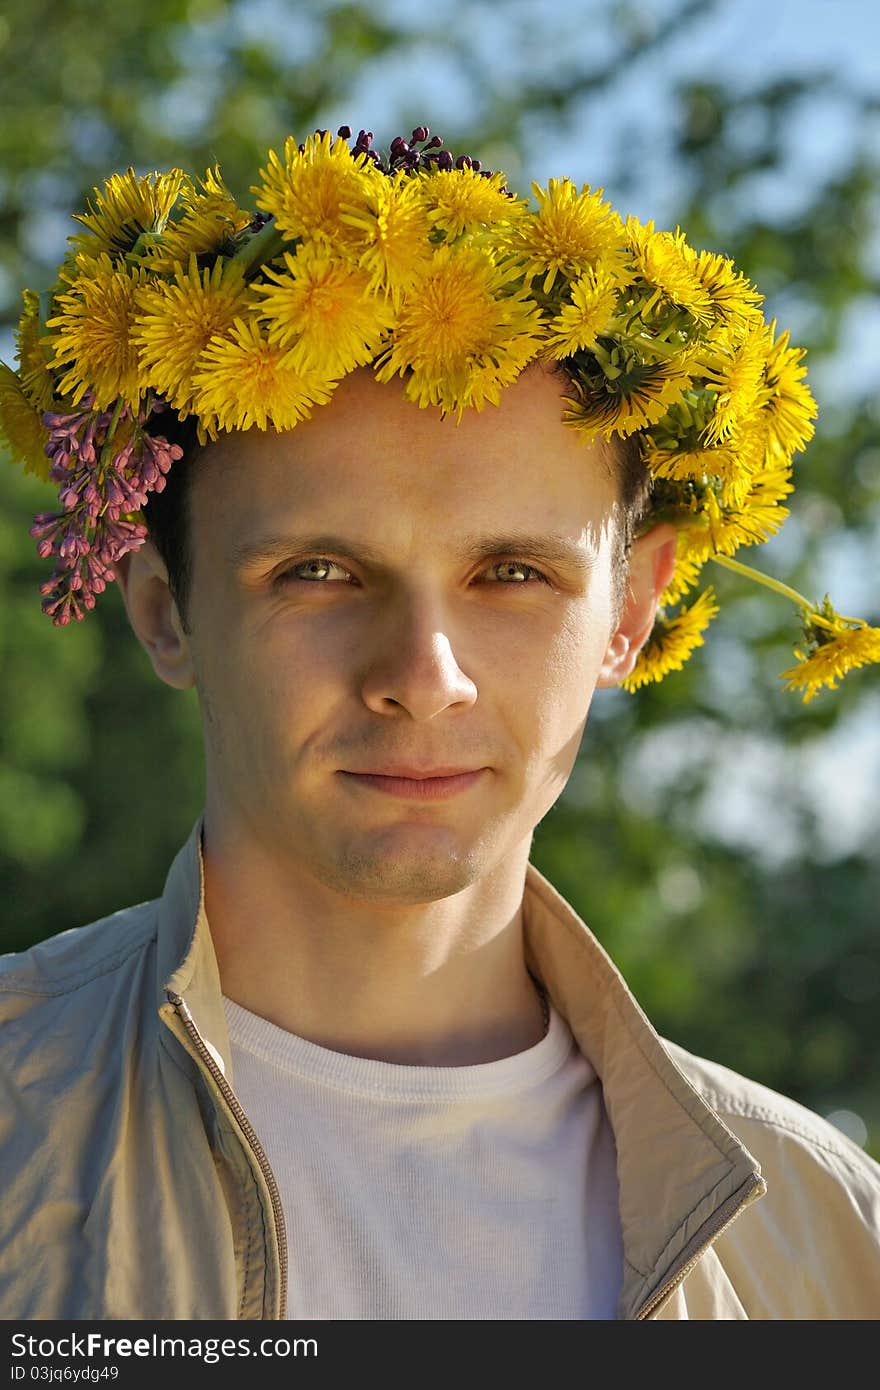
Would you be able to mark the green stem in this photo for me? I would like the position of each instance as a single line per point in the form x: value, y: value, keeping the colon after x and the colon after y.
x: 610, y: 370
x: 111, y: 430
x: 766, y: 580
x: 262, y: 247
x: 816, y: 618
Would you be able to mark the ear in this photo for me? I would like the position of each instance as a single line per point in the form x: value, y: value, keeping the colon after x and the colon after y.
x: 152, y: 612
x: 651, y: 566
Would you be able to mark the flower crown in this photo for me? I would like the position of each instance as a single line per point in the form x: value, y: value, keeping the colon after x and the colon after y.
x: 174, y: 298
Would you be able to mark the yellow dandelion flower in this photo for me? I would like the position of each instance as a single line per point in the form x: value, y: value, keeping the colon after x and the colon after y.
x: 669, y: 265
x: 733, y: 463
x: 831, y: 652
x: 629, y: 402
x: 481, y: 384
x: 579, y: 323
x: 36, y: 379
x: 310, y: 191
x: 463, y: 200
x: 735, y: 372
x: 21, y: 429
x: 709, y: 531
x: 322, y: 310
x: 670, y: 647
x: 210, y: 221
x: 570, y: 232
x: 92, y: 333
x: 459, y: 329
x: 475, y: 381
x: 714, y: 529
x: 392, y: 229
x: 127, y: 206
x: 244, y: 381
x: 175, y: 321
x: 735, y: 299
x: 770, y: 483
x: 791, y: 408
x: 761, y: 511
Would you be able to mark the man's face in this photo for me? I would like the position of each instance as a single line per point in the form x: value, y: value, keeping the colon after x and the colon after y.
x: 393, y: 643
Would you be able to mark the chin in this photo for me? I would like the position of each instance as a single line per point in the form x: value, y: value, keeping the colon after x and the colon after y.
x: 415, y: 874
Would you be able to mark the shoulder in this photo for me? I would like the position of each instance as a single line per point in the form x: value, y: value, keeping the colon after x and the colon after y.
x: 73, y: 958
x: 809, y: 1248
x: 62, y: 988
x: 73, y: 1072
x: 71, y: 1008
x: 756, y: 1112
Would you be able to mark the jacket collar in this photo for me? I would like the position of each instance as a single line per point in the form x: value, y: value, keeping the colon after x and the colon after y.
x: 678, y: 1165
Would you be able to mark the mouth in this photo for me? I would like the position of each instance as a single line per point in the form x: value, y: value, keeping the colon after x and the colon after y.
x: 419, y: 788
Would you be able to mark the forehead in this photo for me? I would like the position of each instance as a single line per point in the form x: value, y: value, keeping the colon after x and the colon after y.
x: 370, y: 455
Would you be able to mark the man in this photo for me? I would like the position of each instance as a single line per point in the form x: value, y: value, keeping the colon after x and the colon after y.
x: 361, y: 1060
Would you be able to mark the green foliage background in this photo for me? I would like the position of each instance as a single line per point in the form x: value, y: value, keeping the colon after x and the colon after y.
x: 758, y: 947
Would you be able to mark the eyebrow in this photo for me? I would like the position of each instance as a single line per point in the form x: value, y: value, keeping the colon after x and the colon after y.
x: 557, y: 551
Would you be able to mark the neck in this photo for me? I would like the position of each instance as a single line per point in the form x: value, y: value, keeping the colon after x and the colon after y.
x: 432, y: 983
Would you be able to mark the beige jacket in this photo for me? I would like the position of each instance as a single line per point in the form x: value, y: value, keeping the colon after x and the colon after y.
x: 133, y: 1185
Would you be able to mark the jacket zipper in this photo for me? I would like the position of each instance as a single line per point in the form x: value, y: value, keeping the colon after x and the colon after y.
x: 250, y: 1134
x: 725, y: 1215
x: 723, y: 1218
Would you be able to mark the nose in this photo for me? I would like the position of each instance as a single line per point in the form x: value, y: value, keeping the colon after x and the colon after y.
x: 412, y: 662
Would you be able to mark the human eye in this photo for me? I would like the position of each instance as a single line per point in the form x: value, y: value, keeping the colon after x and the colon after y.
x: 311, y: 565
x: 507, y: 566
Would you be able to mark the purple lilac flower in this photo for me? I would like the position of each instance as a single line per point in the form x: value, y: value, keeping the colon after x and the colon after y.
x: 98, y: 491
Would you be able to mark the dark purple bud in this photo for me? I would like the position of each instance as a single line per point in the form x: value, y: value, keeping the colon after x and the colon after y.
x: 399, y: 145
x: 464, y: 161
x: 344, y: 131
x: 435, y: 142
x: 302, y: 147
x: 322, y: 133
x: 444, y: 159
x: 421, y: 132
x: 475, y: 164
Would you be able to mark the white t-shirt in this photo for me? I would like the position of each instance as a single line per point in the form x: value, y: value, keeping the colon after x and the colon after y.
x: 409, y: 1192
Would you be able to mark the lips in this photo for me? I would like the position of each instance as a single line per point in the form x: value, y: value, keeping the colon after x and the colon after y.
x: 418, y: 774
x: 420, y: 788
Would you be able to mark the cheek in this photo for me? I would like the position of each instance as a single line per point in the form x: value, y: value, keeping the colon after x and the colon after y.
x: 552, y: 683
x: 579, y: 644
x: 561, y: 694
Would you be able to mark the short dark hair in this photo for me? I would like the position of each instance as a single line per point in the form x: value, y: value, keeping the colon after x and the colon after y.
x: 167, y: 513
